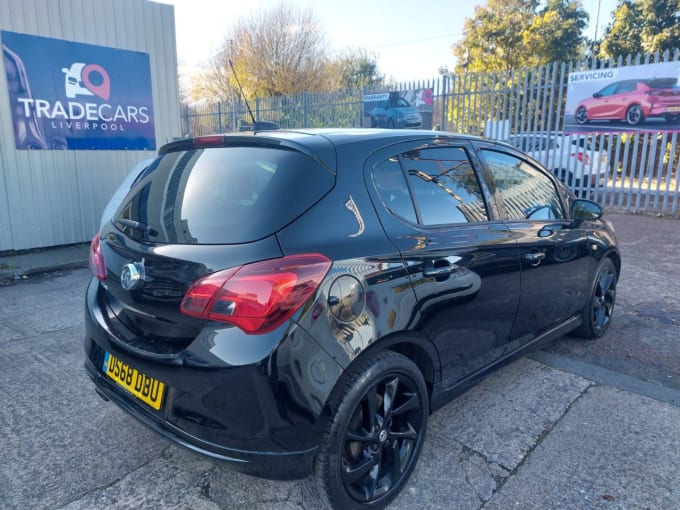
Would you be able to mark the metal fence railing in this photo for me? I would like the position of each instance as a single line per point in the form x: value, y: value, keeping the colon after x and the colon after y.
x: 640, y: 171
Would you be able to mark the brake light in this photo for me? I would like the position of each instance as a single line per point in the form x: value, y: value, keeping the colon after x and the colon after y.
x: 97, y: 265
x: 257, y: 297
x: 201, y: 142
x: 581, y: 157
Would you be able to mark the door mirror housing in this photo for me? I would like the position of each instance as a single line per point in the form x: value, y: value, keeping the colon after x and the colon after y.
x: 582, y: 209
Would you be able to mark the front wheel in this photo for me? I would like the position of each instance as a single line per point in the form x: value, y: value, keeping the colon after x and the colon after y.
x: 375, y: 434
x: 582, y: 115
x: 634, y: 115
x: 597, y: 314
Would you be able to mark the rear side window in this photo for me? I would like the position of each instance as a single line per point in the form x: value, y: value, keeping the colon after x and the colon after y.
x: 442, y: 187
x: 222, y: 195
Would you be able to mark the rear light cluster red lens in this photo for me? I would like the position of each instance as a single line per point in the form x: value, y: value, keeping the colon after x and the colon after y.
x: 97, y: 265
x: 257, y: 297
x: 581, y: 157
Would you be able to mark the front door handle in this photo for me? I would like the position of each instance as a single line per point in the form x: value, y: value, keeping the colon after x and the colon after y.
x: 440, y: 270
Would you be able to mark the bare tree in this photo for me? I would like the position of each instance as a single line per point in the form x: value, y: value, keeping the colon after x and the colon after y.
x: 280, y: 51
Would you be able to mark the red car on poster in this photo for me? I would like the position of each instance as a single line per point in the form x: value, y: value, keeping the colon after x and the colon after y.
x: 632, y: 101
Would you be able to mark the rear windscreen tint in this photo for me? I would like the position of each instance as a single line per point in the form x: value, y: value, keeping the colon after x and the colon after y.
x: 222, y: 195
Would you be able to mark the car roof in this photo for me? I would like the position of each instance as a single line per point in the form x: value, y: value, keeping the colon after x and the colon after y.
x: 342, y: 136
x: 317, y: 137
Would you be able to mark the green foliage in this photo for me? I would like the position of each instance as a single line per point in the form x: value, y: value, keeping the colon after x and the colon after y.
x: 556, y: 33
x: 642, y: 26
x: 508, y: 34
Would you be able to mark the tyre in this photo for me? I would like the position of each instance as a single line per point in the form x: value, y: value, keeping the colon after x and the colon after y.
x: 581, y: 115
x: 373, y: 123
x: 598, y: 311
x: 634, y: 115
x: 390, y: 124
x: 375, y: 435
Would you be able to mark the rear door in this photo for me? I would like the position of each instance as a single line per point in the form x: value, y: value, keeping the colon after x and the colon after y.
x: 462, y: 262
x: 554, y: 252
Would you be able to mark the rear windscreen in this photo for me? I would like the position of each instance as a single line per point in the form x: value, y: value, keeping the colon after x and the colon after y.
x: 221, y: 195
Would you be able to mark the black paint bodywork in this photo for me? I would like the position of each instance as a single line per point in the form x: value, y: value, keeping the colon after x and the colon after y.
x: 260, y: 402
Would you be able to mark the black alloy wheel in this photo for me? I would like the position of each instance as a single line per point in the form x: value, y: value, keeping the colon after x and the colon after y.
x: 376, y: 435
x: 598, y: 313
x: 582, y: 115
x: 634, y: 115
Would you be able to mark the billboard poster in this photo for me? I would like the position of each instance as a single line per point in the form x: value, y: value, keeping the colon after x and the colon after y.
x: 625, y: 99
x: 68, y: 95
x: 406, y: 109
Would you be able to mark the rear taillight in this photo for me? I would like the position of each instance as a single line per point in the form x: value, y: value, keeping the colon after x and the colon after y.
x: 257, y: 297
x: 581, y: 157
x: 97, y: 264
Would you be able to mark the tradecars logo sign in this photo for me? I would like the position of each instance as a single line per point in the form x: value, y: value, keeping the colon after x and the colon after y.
x: 63, y: 97
x: 80, y: 82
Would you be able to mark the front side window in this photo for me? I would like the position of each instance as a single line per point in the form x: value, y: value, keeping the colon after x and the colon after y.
x: 527, y: 193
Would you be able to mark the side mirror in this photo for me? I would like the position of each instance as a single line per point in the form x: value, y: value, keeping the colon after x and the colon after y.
x: 583, y: 209
x: 597, y: 94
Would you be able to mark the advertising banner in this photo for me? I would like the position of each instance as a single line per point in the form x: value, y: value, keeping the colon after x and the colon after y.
x: 68, y: 95
x: 407, y: 109
x: 632, y: 99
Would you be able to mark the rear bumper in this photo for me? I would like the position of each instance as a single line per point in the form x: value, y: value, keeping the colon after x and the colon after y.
x: 278, y: 466
x: 242, y: 415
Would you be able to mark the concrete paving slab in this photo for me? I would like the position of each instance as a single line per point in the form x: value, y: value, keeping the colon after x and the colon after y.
x: 504, y: 416
x: 60, y: 440
x: 173, y: 480
x: 612, y: 450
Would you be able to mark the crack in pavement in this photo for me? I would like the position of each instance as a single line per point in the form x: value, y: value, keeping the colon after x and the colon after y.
x: 546, y: 432
x: 117, y: 480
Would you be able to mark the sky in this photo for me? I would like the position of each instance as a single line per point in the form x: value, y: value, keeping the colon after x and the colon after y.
x: 412, y: 39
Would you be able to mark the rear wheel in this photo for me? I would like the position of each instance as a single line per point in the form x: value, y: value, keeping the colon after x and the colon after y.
x: 634, y: 115
x: 597, y: 314
x: 375, y: 435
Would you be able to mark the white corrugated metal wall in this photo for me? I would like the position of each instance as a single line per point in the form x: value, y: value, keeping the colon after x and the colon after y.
x: 55, y: 197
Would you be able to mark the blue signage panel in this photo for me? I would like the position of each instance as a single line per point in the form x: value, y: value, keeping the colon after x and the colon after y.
x: 68, y: 95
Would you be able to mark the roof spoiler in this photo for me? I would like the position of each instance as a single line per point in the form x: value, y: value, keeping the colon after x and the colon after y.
x: 259, y: 125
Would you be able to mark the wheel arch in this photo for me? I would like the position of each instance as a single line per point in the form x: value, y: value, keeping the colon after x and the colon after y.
x: 616, y: 259
x: 410, y: 345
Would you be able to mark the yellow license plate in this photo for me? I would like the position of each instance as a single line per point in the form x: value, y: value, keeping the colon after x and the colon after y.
x: 145, y: 388
x: 674, y: 108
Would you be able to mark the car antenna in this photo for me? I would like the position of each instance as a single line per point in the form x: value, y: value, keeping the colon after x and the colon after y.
x: 257, y: 125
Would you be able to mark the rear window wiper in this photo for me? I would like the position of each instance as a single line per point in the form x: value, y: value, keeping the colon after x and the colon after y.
x: 137, y: 225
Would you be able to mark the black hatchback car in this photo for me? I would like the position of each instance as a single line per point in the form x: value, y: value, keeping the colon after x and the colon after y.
x: 297, y: 302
